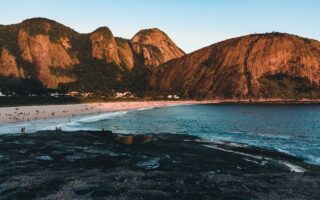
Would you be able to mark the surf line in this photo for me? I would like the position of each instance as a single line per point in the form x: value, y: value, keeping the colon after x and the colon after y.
x: 292, y: 167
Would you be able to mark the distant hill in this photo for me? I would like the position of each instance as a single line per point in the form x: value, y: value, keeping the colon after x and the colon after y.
x: 40, y: 54
x: 272, y: 65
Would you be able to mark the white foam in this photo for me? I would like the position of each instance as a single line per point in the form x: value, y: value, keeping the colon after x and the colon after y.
x: 146, y: 108
x: 173, y: 105
x: 259, y: 134
x: 234, y: 132
x: 235, y: 152
x: 285, y: 152
x: 102, y: 116
x: 292, y: 167
x: 313, y: 160
x: 236, y: 144
x: 253, y: 161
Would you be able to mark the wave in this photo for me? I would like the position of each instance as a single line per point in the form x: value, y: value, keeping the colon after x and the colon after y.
x: 65, y: 126
x: 313, y: 160
x: 285, y: 152
x: 259, y: 134
x: 100, y: 117
x: 146, y: 108
x: 293, y: 167
x: 274, y: 147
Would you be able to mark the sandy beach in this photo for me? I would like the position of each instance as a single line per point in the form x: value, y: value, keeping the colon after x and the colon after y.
x: 28, y: 113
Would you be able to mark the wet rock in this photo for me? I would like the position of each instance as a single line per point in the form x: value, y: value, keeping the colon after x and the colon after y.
x: 133, y: 139
x: 91, y: 165
x: 149, y: 164
x: 44, y: 158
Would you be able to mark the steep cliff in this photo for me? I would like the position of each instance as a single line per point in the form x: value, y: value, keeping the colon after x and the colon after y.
x: 126, y: 56
x: 153, y: 47
x: 57, y: 56
x: 46, y: 56
x: 271, y: 65
x: 8, y: 65
x: 35, y: 49
x: 104, y: 46
x: 45, y: 53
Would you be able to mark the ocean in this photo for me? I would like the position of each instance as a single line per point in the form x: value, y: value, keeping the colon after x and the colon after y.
x: 290, y: 129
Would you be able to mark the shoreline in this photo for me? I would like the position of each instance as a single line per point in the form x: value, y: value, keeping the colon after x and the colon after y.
x: 36, y: 112
x: 265, y: 101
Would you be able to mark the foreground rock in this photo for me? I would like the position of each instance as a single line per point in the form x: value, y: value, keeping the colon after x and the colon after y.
x: 99, y: 165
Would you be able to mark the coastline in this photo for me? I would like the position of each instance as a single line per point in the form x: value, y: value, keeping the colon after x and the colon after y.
x: 265, y: 101
x: 36, y: 112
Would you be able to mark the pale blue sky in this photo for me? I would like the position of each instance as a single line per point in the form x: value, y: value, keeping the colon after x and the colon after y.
x: 192, y: 24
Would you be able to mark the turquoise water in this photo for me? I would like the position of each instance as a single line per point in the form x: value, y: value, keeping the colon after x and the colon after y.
x: 291, y: 129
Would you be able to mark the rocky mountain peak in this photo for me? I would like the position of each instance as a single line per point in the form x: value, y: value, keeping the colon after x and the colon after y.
x: 154, y: 47
x: 273, y: 65
x: 57, y: 56
x: 104, y: 46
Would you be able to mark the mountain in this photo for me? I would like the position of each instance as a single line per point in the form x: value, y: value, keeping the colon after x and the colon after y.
x: 273, y: 65
x: 154, y: 47
x: 42, y: 53
x: 39, y: 55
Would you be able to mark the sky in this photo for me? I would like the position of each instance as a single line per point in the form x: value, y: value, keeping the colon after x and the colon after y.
x: 191, y: 24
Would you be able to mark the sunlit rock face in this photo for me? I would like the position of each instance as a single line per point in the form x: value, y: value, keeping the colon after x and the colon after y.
x: 150, y: 47
x: 125, y: 53
x: 50, y: 52
x: 8, y: 65
x: 104, y: 46
x: 255, y: 66
x: 45, y: 55
x: 153, y: 47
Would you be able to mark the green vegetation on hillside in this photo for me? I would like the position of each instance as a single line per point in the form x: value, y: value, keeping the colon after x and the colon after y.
x: 36, y: 100
x: 284, y: 86
x: 22, y: 87
x: 52, y: 28
x: 105, y: 79
x: 91, y: 75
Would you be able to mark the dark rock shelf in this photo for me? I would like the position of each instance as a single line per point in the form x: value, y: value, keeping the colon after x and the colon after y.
x: 99, y: 165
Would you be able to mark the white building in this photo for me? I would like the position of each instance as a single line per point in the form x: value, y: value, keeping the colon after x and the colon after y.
x: 56, y: 94
x: 173, y: 96
x: 124, y: 95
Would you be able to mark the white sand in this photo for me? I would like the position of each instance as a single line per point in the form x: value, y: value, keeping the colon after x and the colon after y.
x: 27, y: 113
